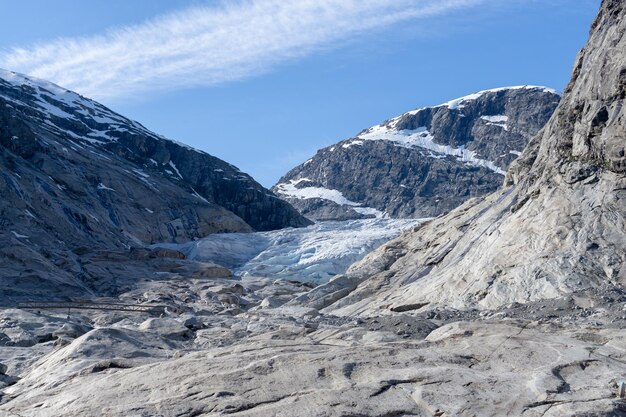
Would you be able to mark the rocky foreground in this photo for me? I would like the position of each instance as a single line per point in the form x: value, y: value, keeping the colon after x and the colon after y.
x: 206, y: 356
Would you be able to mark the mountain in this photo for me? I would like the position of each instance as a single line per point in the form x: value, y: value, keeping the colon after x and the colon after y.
x: 431, y: 324
x: 556, y: 229
x: 421, y: 163
x: 77, y: 176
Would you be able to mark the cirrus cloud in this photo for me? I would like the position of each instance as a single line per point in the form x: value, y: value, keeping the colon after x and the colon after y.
x: 203, y: 46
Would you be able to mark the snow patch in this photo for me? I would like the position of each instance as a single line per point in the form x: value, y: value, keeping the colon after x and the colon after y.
x: 292, y: 191
x: 195, y: 194
x: 175, y: 169
x: 499, y: 120
x: 141, y: 174
x: 104, y: 187
x: 495, y: 119
x: 422, y: 138
x: 353, y: 143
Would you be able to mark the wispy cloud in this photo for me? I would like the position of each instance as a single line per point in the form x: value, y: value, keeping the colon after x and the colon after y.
x: 204, y: 46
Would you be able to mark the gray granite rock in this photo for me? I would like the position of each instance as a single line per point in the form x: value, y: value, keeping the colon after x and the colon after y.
x: 558, y: 226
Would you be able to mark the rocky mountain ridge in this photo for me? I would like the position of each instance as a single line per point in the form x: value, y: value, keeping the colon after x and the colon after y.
x: 78, y: 177
x: 424, y: 162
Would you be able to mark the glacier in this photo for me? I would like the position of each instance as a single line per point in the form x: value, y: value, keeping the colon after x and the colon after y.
x: 312, y: 254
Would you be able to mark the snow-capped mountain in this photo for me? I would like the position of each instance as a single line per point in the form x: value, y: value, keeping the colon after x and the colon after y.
x: 55, y: 114
x: 76, y: 174
x: 423, y: 162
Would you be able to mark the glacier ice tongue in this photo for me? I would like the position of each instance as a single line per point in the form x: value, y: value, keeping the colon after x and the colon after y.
x: 312, y: 254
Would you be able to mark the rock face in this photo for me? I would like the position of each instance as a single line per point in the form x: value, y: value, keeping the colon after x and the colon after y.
x: 75, y: 175
x: 424, y: 162
x: 556, y: 227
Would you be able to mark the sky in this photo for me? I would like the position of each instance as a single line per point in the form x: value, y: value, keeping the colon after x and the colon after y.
x: 263, y: 84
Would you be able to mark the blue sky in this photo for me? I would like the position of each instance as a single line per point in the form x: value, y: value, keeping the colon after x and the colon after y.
x: 264, y: 83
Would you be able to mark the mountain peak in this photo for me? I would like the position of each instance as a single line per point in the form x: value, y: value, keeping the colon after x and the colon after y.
x: 423, y: 162
x: 458, y: 103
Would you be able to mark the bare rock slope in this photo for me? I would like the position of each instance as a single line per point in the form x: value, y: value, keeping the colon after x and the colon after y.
x: 76, y: 177
x: 556, y: 227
